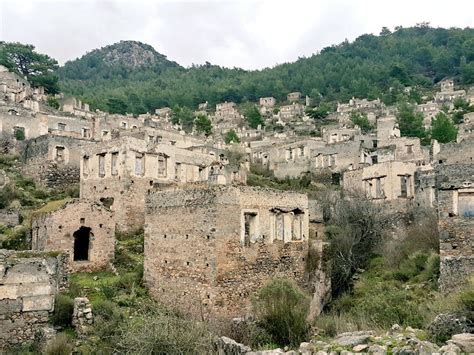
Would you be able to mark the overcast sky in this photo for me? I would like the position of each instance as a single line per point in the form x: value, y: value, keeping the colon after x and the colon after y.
x: 247, y: 34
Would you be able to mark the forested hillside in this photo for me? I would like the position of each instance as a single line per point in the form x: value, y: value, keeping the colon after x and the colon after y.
x: 367, y: 67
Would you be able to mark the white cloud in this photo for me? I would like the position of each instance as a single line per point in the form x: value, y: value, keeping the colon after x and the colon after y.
x: 248, y: 34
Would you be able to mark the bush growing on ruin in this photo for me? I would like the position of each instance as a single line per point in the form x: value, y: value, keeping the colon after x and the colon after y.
x: 63, y: 309
x: 354, y: 229
x: 281, y: 309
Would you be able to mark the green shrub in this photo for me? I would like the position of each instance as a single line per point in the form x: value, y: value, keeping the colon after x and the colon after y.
x: 281, y: 309
x: 19, y: 135
x: 155, y: 332
x: 60, y: 345
x: 63, y: 310
x: 18, y: 239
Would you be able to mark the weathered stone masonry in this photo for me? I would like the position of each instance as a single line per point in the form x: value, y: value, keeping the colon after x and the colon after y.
x: 455, y: 190
x: 208, y: 250
x: 29, y: 282
x: 83, y: 229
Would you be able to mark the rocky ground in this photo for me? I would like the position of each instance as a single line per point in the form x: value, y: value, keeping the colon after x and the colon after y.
x: 396, y: 341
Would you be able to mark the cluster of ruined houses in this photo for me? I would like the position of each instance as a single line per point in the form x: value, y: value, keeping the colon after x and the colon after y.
x: 211, y: 241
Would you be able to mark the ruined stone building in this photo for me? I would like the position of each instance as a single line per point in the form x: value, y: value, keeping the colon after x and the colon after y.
x: 13, y: 87
x: 227, y: 111
x: 75, y: 107
x: 294, y: 96
x: 53, y: 160
x: 82, y: 229
x: 290, y: 112
x: 402, y: 149
x: 455, y: 198
x: 359, y: 104
x: 209, y: 250
x: 429, y: 111
x: 447, y: 95
x: 266, y: 105
x: 338, y: 134
x: 388, y: 181
x: 122, y: 171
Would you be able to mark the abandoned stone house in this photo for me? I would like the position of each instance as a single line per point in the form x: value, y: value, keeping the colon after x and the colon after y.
x: 389, y: 181
x: 75, y: 107
x: 454, y: 153
x: 122, y: 171
x: 209, y: 250
x: 164, y: 113
x: 338, y: 134
x: 266, y: 105
x: 267, y: 102
x: 289, y: 112
x: 294, y: 96
x: 13, y: 87
x: 455, y: 202
x: 82, y: 229
x: 18, y: 122
x: 447, y: 94
x: 337, y: 157
x: 227, y: 111
x: 359, y: 104
x: 403, y: 149
x: 54, y: 161
x: 161, y: 136
x: 429, y: 111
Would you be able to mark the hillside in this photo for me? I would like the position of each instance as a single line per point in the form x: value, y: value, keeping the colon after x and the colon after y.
x: 366, y: 67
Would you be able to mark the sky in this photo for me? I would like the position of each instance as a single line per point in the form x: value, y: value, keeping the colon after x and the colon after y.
x: 250, y: 34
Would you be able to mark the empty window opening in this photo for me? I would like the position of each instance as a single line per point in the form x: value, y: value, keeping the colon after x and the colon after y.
x: 81, y: 243
x: 161, y: 166
x: 101, y: 165
x: 466, y: 204
x: 177, y: 171
x: 61, y: 126
x: 59, y: 156
x: 139, y: 167
x: 250, y: 227
x: 83, y: 220
x: 403, y: 186
x: 113, y: 163
x: 85, y: 166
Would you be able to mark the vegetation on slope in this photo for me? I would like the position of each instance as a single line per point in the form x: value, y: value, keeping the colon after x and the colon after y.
x: 367, y: 67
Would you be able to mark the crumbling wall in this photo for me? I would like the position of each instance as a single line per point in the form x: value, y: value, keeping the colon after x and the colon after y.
x: 54, y: 161
x: 455, y: 194
x: 29, y: 282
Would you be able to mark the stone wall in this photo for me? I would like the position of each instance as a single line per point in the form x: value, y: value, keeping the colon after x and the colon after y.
x: 455, y: 196
x: 29, y: 282
x: 195, y: 255
x: 63, y: 230
x: 9, y: 218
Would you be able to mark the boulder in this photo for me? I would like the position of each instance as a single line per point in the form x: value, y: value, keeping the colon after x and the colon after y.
x: 359, y: 348
x: 353, y: 338
x: 465, y: 341
x: 449, y: 349
x: 228, y: 346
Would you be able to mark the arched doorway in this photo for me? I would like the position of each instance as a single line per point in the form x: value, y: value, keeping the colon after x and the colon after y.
x: 81, y: 243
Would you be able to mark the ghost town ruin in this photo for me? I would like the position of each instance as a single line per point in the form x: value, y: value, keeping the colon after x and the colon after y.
x: 211, y: 241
